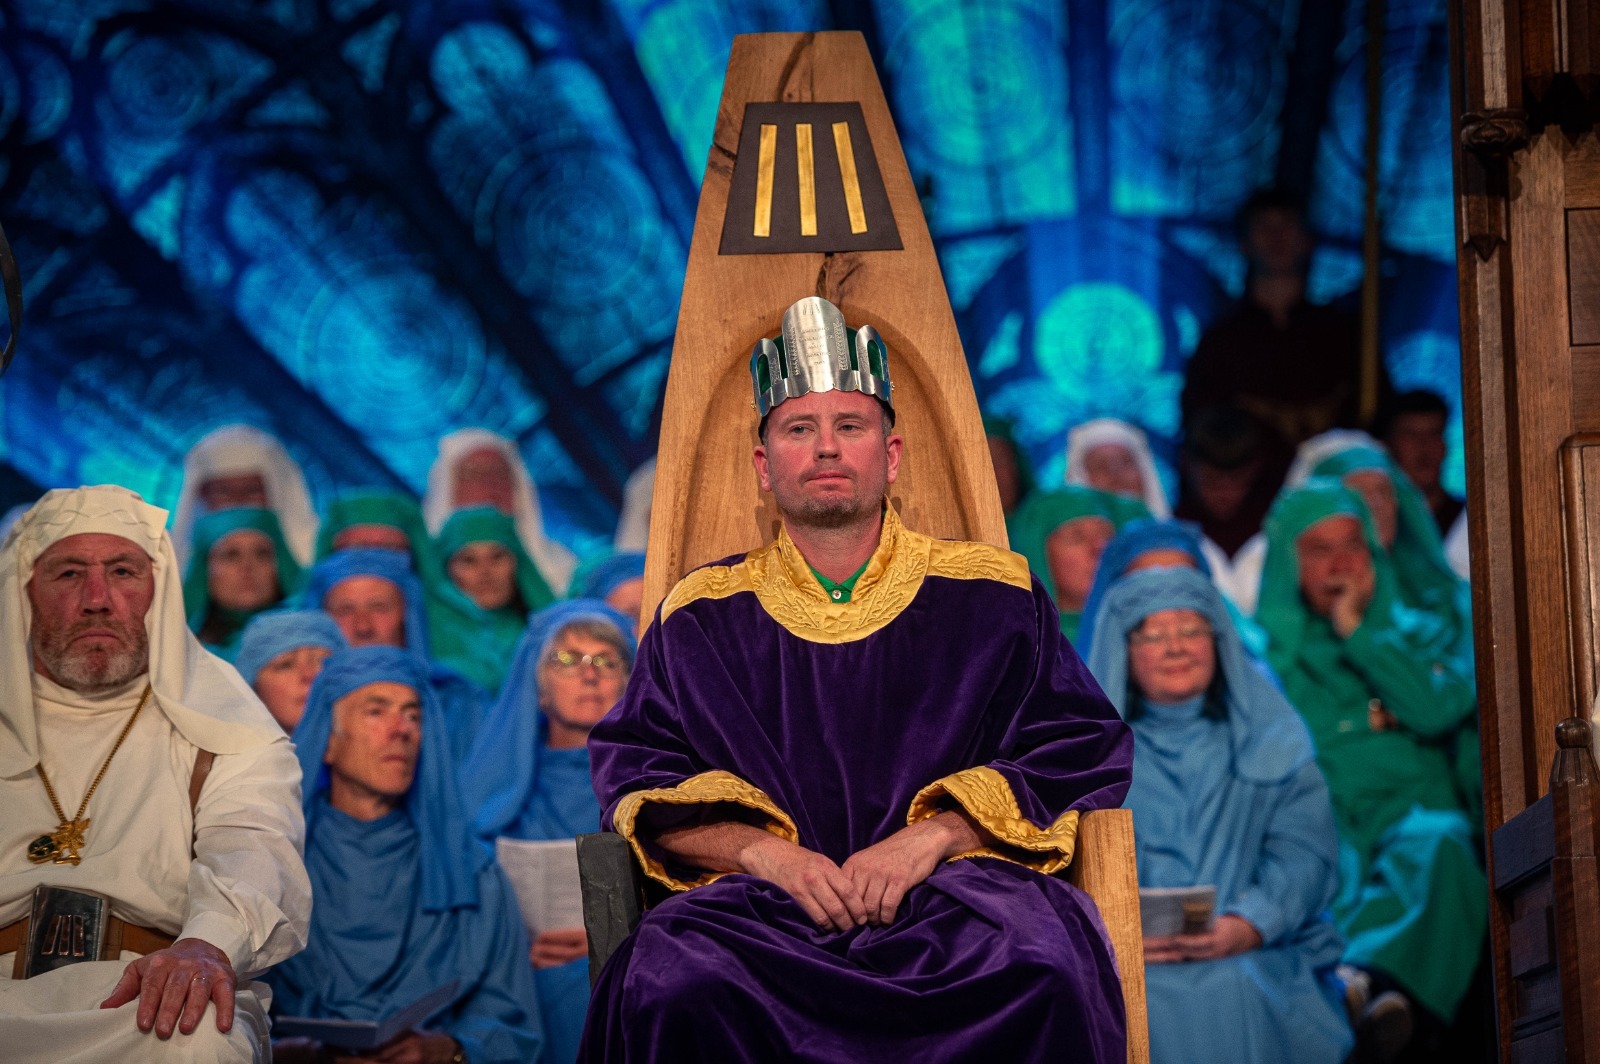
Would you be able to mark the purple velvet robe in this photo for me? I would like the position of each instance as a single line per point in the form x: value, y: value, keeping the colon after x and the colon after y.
x: 987, y: 959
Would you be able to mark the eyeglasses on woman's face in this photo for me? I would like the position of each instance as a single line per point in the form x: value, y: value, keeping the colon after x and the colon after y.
x: 1182, y: 635
x: 571, y: 661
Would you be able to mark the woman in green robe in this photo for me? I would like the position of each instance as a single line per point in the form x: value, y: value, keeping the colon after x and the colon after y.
x: 1423, y: 576
x: 1383, y: 687
x: 239, y: 565
x: 392, y: 520
x: 1062, y: 533
x: 485, y: 562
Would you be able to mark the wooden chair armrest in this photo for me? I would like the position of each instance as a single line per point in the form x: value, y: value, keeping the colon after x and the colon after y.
x: 1104, y: 868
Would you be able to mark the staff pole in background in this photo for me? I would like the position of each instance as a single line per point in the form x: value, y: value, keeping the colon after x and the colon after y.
x: 1371, y: 234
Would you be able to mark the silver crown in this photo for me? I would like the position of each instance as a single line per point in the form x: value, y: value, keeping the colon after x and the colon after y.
x: 818, y: 353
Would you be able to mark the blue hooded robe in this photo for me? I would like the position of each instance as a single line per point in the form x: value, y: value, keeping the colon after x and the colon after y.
x: 1226, y: 791
x: 522, y: 788
x: 463, y: 702
x: 408, y: 902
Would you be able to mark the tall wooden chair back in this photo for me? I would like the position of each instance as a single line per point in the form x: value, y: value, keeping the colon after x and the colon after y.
x: 841, y: 220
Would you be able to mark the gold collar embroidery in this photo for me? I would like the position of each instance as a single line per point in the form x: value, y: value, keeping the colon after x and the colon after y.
x: 782, y: 581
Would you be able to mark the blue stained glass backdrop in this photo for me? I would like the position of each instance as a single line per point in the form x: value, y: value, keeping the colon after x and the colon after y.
x: 363, y: 223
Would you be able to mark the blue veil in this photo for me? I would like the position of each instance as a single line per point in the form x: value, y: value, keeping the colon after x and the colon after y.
x: 270, y: 634
x: 1269, y: 740
x: 500, y: 773
x: 450, y: 860
x: 391, y: 565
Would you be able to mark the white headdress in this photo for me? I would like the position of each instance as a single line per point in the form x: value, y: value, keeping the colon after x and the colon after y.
x: 234, y: 450
x: 1319, y: 449
x: 555, y: 562
x: 200, y: 693
x: 1102, y: 430
x: 633, y: 527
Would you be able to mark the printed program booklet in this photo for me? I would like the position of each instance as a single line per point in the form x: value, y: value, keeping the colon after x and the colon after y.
x: 545, y: 878
x: 362, y: 1035
x: 1176, y: 910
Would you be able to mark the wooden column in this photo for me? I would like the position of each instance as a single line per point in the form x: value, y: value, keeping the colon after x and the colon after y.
x: 1528, y: 186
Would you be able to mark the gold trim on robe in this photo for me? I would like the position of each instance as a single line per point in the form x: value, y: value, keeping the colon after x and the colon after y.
x: 987, y: 797
x: 782, y: 581
x: 708, y: 788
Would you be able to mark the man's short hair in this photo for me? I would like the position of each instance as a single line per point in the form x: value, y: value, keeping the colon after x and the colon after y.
x: 1415, y: 401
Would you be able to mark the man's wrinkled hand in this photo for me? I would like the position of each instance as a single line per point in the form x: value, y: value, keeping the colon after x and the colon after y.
x: 555, y: 948
x: 820, y: 886
x: 173, y: 986
x: 885, y: 871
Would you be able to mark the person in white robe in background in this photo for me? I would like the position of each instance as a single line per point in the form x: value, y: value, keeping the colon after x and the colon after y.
x: 1111, y: 455
x: 240, y: 465
x: 91, y: 607
x: 633, y: 526
x: 476, y: 467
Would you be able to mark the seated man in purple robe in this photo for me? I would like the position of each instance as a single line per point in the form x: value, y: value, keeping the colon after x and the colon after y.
x: 857, y: 755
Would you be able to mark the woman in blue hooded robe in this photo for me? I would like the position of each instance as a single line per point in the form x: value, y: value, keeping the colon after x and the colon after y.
x: 407, y: 902
x: 1226, y: 792
x: 527, y: 779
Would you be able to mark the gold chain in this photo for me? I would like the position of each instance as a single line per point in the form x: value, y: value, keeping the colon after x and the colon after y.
x: 77, y: 823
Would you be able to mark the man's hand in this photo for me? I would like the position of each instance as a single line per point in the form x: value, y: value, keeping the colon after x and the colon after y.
x: 177, y: 982
x: 554, y: 948
x: 822, y: 889
x: 885, y: 871
x: 1229, y: 936
x: 1350, y: 604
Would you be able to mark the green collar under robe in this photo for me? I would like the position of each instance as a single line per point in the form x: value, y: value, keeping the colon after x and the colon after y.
x: 841, y: 591
x: 1383, y: 706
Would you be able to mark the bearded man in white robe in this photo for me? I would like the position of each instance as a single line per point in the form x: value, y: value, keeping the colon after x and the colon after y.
x: 136, y: 766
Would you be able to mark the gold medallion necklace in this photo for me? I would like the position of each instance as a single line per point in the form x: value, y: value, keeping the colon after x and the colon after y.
x: 64, y: 843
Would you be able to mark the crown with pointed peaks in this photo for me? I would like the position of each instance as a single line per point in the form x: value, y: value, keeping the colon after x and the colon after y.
x: 817, y: 352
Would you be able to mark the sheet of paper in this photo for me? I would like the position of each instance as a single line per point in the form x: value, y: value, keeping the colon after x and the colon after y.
x: 545, y: 877
x: 1176, y: 910
x: 362, y: 1035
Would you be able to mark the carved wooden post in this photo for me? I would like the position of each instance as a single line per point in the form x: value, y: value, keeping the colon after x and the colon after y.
x: 1575, y: 797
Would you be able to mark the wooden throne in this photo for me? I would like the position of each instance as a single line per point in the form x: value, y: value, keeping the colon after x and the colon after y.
x: 818, y: 200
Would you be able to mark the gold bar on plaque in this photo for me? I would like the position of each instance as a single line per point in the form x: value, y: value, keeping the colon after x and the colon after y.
x: 847, y: 173
x: 808, y: 179
x: 767, y: 160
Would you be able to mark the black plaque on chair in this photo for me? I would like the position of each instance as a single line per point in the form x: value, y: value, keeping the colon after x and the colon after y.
x: 65, y: 927
x: 806, y: 180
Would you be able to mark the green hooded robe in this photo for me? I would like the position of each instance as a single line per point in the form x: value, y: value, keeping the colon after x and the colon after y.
x: 1032, y: 523
x: 219, y: 628
x: 1413, y: 899
x: 456, y: 635
x: 489, y: 655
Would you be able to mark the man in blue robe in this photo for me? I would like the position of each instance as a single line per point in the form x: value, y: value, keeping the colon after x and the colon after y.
x: 406, y: 900
x: 376, y: 599
x: 856, y: 756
